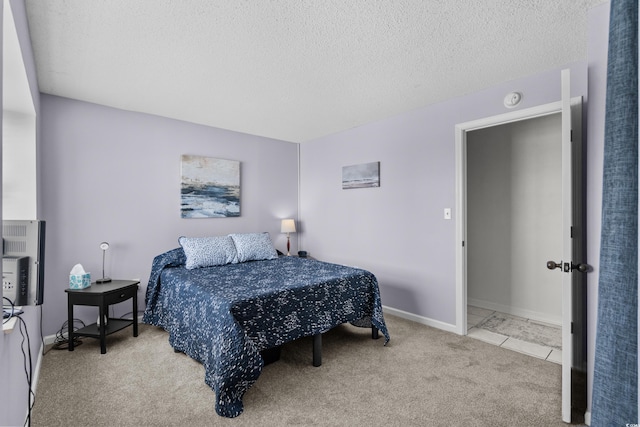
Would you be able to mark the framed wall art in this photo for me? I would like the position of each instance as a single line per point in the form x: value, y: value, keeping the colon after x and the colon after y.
x: 363, y: 175
x: 210, y: 187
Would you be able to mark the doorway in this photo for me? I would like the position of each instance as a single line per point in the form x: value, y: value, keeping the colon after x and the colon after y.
x: 514, y: 218
x: 514, y: 223
x: 516, y: 252
x: 572, y: 258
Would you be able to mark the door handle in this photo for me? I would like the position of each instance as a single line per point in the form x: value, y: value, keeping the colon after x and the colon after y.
x: 551, y: 265
x: 566, y: 267
x: 582, y: 268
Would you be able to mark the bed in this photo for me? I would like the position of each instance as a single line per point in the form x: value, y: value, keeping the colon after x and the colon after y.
x: 225, y: 303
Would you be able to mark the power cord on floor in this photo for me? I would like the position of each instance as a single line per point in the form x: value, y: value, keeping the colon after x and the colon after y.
x: 61, y: 341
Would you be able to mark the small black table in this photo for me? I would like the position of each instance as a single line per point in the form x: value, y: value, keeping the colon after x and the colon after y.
x: 103, y: 295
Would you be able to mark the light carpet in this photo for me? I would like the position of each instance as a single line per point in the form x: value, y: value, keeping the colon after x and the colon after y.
x: 423, y: 377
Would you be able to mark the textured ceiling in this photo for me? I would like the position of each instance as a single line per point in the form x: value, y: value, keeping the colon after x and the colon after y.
x: 295, y: 69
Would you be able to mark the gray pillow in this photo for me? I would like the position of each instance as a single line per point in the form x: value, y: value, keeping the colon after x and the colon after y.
x: 254, y: 246
x: 208, y: 251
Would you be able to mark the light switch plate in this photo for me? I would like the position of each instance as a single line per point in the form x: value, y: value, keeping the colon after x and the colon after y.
x: 447, y: 213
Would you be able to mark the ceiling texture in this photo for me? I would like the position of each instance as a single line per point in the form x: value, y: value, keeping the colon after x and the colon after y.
x: 295, y: 70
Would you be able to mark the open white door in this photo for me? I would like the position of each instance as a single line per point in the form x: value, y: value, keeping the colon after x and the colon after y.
x: 573, y: 264
x: 567, y: 246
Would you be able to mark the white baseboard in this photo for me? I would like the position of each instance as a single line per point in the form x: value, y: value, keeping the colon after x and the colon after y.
x: 49, y: 339
x: 515, y: 311
x: 420, y: 319
x: 587, y: 418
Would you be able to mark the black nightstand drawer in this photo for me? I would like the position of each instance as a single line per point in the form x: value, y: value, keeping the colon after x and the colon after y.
x: 120, y: 295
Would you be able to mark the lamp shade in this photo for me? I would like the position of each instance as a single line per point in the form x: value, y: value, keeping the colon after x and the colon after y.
x: 288, y: 226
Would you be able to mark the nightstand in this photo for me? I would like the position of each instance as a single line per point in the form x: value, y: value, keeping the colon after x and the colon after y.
x: 103, y: 295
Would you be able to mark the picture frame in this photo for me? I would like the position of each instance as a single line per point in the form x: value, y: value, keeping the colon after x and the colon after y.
x: 210, y: 187
x: 364, y: 175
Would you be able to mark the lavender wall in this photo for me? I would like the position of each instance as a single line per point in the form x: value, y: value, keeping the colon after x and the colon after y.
x: 14, y: 398
x: 397, y: 231
x: 113, y: 175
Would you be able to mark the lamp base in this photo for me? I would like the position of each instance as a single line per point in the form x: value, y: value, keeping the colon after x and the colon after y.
x: 103, y: 280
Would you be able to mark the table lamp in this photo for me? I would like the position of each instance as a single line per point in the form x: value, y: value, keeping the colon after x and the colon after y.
x: 104, y: 246
x: 288, y: 226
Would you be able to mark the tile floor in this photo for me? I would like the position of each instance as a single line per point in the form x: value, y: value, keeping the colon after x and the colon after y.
x: 476, y: 315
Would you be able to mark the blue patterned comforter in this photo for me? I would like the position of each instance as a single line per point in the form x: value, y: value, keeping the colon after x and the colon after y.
x: 224, y: 316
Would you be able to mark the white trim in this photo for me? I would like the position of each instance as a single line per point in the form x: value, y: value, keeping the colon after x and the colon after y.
x: 420, y: 319
x: 513, y: 116
x: 461, y: 130
x: 49, y: 339
x: 461, y: 229
x: 567, y: 244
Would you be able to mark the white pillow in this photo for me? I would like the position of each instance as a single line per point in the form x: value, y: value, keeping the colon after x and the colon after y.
x: 208, y: 251
x: 254, y: 246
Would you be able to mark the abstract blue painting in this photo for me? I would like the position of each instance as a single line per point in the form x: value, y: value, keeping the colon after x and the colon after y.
x: 361, y: 176
x: 210, y: 187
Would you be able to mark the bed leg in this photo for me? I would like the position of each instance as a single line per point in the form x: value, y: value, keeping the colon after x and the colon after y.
x: 374, y: 333
x: 317, y: 350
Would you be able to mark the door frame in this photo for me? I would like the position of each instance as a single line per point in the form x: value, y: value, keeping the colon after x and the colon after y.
x: 574, y: 394
x: 461, y: 130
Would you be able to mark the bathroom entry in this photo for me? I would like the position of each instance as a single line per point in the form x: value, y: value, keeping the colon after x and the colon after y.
x: 514, y: 218
x: 514, y: 233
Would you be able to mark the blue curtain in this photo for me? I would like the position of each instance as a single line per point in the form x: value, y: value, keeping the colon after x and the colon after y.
x: 615, y: 381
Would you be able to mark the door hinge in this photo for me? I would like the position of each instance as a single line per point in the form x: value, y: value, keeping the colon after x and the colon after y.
x: 571, y: 327
x: 463, y: 243
x: 571, y: 232
x: 571, y: 136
